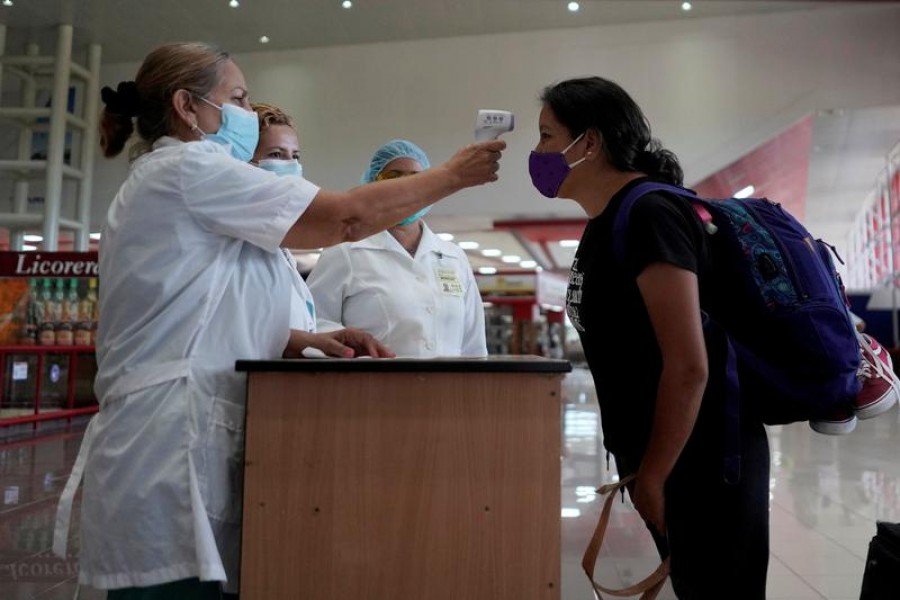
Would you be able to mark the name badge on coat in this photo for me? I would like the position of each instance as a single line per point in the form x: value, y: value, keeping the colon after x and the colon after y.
x: 448, y: 282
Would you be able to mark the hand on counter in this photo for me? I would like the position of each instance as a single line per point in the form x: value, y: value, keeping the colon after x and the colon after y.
x: 343, y: 343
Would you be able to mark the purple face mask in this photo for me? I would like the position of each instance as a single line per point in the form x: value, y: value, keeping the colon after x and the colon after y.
x: 548, y: 170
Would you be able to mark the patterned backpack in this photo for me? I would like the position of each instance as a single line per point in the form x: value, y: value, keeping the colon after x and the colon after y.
x: 779, y: 298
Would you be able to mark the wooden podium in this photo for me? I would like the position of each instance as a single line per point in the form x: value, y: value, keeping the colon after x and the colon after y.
x: 400, y: 479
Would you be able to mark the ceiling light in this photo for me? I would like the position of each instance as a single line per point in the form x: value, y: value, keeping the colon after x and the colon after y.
x: 511, y: 258
x: 234, y: 4
x: 7, y: 2
x: 468, y: 245
x: 568, y: 243
x: 95, y: 236
x: 24, y: 246
x: 447, y: 237
x: 492, y: 252
x: 528, y: 264
x: 487, y: 270
x: 30, y: 237
x: 264, y: 39
x: 347, y: 4
x: 745, y: 192
x: 574, y: 6
x: 686, y: 6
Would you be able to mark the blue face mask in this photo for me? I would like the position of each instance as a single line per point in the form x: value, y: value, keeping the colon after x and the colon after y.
x: 240, y: 129
x: 415, y: 217
x: 281, y: 167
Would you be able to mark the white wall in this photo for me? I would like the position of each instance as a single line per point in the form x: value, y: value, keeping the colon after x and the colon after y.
x: 712, y: 89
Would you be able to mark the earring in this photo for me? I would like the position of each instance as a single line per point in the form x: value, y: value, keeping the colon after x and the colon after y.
x: 197, y: 131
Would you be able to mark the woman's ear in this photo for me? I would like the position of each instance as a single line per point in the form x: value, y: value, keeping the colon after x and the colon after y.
x: 185, y: 111
x: 593, y: 144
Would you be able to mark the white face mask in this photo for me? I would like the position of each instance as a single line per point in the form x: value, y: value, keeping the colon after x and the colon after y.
x: 282, y: 167
x: 239, y: 129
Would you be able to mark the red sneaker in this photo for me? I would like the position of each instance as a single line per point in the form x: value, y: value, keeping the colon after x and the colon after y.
x: 840, y: 422
x: 880, y: 386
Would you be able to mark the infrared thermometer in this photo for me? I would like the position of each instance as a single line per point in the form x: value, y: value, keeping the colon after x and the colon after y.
x: 491, y: 123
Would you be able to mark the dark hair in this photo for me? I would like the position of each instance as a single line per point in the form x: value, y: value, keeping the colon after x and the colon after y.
x: 146, y: 102
x: 600, y: 104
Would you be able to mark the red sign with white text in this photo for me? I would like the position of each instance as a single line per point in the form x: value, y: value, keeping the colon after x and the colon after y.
x: 48, y: 264
x: 48, y: 298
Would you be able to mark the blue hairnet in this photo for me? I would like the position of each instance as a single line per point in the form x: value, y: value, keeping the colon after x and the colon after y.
x: 390, y: 151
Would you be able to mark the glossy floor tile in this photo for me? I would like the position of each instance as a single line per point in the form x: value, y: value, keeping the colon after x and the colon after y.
x: 826, y: 494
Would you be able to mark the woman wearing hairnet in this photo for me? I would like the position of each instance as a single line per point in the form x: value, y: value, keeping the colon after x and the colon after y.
x: 407, y: 287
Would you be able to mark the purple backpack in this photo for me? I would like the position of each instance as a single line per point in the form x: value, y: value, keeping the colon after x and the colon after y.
x: 777, y: 295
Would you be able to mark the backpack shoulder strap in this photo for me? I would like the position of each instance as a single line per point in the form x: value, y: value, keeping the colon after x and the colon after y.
x: 620, y: 225
x: 732, y: 459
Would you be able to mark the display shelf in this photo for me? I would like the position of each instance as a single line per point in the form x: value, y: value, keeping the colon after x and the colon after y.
x: 46, y: 382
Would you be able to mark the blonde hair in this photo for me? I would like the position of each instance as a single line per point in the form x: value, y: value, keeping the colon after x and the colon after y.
x: 270, y: 114
x: 146, y: 103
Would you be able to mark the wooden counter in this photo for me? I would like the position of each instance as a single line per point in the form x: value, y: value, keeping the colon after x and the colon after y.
x: 400, y: 479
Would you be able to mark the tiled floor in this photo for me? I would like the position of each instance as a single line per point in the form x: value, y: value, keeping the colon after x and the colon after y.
x: 826, y: 494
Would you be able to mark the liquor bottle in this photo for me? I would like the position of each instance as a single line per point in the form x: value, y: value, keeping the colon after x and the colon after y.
x: 83, y: 323
x: 63, y: 325
x: 65, y: 329
x: 32, y: 322
x: 47, y: 329
x: 95, y: 308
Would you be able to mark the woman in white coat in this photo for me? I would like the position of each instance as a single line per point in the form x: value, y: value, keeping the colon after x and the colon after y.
x: 407, y: 287
x: 191, y: 279
x: 278, y: 151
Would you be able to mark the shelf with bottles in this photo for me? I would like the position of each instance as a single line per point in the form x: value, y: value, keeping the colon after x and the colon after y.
x: 48, y: 322
x: 54, y: 312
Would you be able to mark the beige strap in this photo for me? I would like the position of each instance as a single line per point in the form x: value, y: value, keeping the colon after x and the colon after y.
x: 649, y: 587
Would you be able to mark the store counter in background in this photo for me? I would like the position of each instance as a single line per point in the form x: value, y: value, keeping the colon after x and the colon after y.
x: 402, y: 479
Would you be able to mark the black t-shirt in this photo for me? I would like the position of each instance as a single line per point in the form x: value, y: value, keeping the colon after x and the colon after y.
x: 605, y: 306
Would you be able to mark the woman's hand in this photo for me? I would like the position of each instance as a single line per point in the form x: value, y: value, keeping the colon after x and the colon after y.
x: 344, y: 343
x: 476, y: 163
x: 650, y: 501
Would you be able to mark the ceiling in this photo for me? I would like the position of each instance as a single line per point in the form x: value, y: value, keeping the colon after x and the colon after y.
x: 128, y: 29
x: 844, y: 150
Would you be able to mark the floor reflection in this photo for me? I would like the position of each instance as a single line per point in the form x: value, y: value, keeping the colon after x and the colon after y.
x: 826, y: 493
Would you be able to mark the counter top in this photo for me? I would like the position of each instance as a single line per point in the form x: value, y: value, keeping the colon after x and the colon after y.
x: 491, y: 364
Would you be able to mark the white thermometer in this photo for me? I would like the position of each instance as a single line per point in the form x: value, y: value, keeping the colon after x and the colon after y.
x: 491, y: 123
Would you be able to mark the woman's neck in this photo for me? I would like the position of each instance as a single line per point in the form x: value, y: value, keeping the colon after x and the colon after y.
x: 408, y: 236
x: 595, y: 193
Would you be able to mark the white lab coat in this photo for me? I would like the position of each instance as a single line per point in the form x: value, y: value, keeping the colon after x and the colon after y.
x: 303, y: 308
x: 421, y: 307
x: 191, y: 278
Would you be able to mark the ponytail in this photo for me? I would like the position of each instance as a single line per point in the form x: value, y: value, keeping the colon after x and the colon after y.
x: 659, y: 163
x: 116, y: 124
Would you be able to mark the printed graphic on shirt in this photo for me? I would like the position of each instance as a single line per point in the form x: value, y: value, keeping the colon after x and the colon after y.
x: 449, y: 282
x: 573, y: 296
